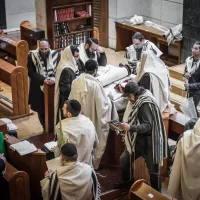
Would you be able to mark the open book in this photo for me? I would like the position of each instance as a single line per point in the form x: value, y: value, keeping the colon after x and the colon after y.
x: 115, y: 124
x: 10, y: 125
x: 23, y: 147
x: 50, y: 145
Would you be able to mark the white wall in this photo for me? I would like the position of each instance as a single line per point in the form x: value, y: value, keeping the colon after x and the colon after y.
x: 164, y: 12
x: 18, y: 11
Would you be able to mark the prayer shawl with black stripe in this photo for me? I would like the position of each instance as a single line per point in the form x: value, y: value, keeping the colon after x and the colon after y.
x: 159, y: 140
x: 52, y: 62
x: 77, y: 181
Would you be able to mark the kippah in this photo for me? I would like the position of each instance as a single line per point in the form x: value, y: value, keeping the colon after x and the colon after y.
x: 69, y: 150
x: 138, y: 36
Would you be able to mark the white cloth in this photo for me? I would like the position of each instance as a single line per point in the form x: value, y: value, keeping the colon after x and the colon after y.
x: 190, y: 66
x: 184, y: 183
x: 83, y: 54
x: 110, y: 74
x: 67, y: 61
x: 174, y: 34
x: 97, y: 106
x: 148, y: 46
x: 81, y: 132
x: 159, y: 78
x: 136, y: 20
x: 75, y: 181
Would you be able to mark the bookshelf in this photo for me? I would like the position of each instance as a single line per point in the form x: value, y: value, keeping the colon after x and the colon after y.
x: 66, y: 22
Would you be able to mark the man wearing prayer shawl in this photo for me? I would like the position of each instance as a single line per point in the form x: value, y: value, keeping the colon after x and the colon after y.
x: 94, y: 104
x: 192, y: 74
x: 91, y: 50
x: 71, y: 179
x: 152, y: 74
x: 184, y: 183
x: 144, y: 134
x: 135, y: 51
x: 76, y: 129
x: 68, y: 68
x: 42, y: 64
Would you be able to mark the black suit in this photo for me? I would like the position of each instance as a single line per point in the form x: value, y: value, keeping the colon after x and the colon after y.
x: 2, y: 181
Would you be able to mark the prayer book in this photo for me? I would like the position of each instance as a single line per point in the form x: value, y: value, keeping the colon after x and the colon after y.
x: 10, y: 125
x: 115, y: 124
x: 53, y: 164
x: 23, y: 147
x: 50, y: 145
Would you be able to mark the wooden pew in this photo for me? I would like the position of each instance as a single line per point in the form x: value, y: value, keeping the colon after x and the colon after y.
x: 141, y: 190
x: 17, y: 78
x: 33, y: 164
x: 30, y: 33
x: 14, y: 48
x: 18, y: 183
x: 49, y: 107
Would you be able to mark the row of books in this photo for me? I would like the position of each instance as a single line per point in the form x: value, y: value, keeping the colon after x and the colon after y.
x: 74, y: 39
x: 63, y: 14
x: 61, y: 28
x: 69, y: 13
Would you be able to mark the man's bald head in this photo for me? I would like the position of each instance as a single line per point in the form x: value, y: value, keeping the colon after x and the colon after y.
x: 44, y: 48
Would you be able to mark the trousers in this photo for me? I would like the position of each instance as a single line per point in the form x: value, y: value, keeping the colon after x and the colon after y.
x: 154, y: 169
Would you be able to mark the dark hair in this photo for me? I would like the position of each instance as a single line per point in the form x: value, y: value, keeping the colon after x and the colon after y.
x: 133, y: 88
x: 74, y: 49
x: 44, y: 40
x: 69, y: 151
x: 91, y: 65
x: 197, y: 43
x: 138, y: 36
x: 90, y: 40
x: 74, y: 107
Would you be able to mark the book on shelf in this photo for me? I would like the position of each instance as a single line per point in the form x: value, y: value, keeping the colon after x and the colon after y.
x: 63, y: 14
x: 23, y: 147
x: 61, y: 28
x: 72, y: 39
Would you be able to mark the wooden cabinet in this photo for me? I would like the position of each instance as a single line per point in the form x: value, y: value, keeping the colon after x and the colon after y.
x: 71, y: 22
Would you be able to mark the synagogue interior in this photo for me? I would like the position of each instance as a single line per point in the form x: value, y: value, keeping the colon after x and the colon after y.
x: 99, y: 99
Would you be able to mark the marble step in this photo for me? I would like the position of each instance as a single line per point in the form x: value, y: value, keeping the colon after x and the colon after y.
x: 177, y: 87
x: 177, y: 71
x: 176, y: 100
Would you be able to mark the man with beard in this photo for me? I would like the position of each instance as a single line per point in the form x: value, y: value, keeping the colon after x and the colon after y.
x: 192, y: 74
x: 144, y: 135
x: 91, y: 50
x: 42, y: 64
x: 135, y: 51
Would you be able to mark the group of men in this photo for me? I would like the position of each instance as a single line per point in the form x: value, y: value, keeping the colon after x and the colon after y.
x: 86, y: 109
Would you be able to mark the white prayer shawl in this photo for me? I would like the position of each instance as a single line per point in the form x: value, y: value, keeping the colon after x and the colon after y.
x: 159, y: 78
x: 83, y: 54
x: 190, y: 67
x: 67, y: 61
x: 95, y: 105
x: 81, y: 132
x: 148, y: 46
x: 51, y: 63
x: 75, y: 181
x: 184, y: 183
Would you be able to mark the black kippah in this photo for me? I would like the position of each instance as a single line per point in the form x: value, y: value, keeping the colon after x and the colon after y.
x: 69, y: 150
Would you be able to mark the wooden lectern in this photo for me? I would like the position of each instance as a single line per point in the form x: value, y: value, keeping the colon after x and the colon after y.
x: 17, y: 78
x: 31, y: 34
x: 140, y: 190
x: 14, y: 48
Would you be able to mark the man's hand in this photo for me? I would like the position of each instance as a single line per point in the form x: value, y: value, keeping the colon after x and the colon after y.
x: 187, y: 75
x: 124, y: 126
x: 186, y: 86
x: 47, y: 173
x: 49, y: 81
x: 2, y: 157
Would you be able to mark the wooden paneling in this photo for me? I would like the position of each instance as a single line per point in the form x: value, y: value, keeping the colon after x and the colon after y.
x: 100, y: 12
